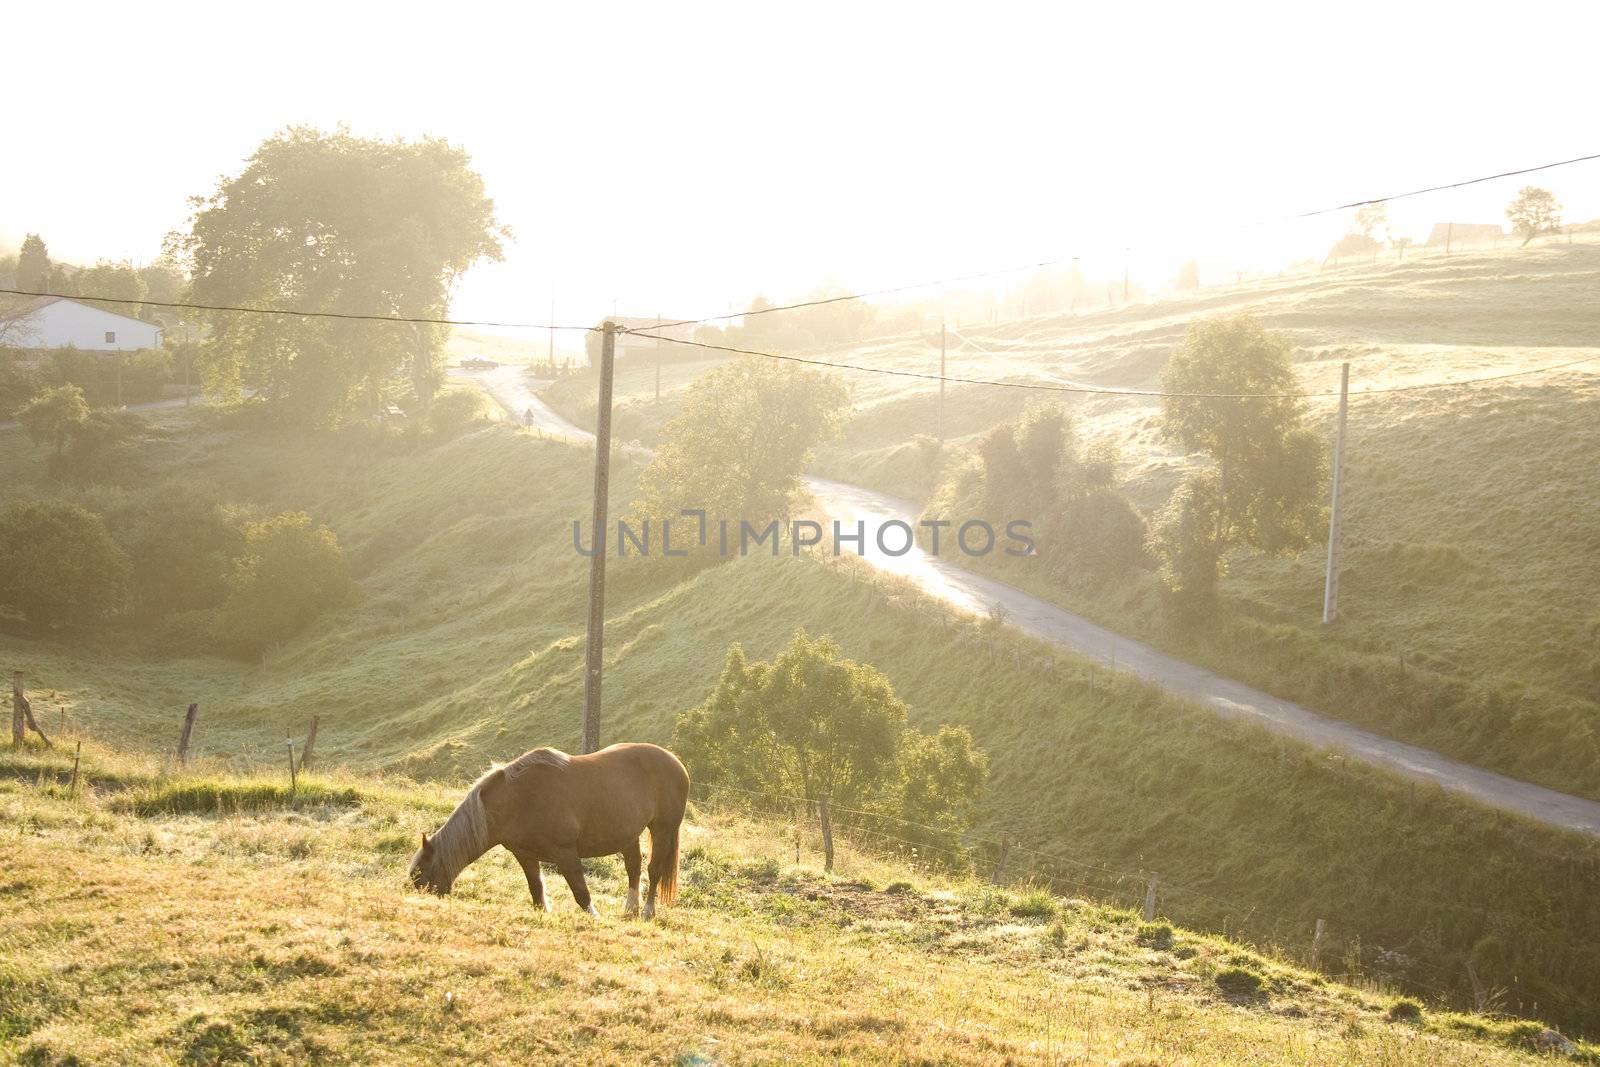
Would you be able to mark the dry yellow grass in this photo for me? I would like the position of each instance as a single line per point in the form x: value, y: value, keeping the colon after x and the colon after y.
x: 281, y: 933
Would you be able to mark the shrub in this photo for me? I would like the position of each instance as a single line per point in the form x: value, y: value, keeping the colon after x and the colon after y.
x: 452, y: 412
x: 182, y: 543
x: 1405, y: 1010
x: 1154, y: 935
x: 1034, y: 904
x: 1239, y: 982
x: 102, y: 447
x: 290, y: 572
x: 60, y: 564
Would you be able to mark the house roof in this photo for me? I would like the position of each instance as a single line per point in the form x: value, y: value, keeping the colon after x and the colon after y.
x: 28, y: 306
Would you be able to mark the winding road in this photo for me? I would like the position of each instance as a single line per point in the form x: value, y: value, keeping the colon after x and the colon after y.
x: 939, y: 577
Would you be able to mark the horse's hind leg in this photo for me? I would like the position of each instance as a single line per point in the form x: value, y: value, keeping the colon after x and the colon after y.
x: 571, y: 869
x: 633, y: 861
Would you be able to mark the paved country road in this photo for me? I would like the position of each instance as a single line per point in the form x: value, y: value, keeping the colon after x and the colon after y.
x: 941, y: 577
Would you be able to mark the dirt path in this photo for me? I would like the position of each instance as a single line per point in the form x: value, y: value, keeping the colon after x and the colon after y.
x: 941, y: 577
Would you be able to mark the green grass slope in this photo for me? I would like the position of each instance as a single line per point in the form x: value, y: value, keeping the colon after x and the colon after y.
x: 466, y: 645
x: 212, y: 919
x: 1472, y: 532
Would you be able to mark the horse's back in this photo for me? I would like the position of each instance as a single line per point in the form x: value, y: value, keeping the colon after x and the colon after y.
x: 652, y: 766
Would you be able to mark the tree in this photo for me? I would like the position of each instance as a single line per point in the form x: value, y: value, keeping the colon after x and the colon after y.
x: 741, y: 441
x: 33, y: 265
x: 289, y: 573
x: 1229, y: 396
x: 1533, y: 212
x: 119, y: 280
x: 336, y: 223
x: 60, y: 564
x: 1368, y: 218
x: 181, y: 542
x: 52, y: 416
x: 832, y: 731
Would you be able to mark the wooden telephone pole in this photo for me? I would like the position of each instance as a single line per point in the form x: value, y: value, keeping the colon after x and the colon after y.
x: 594, y: 646
x: 941, y: 381
x: 1330, y: 587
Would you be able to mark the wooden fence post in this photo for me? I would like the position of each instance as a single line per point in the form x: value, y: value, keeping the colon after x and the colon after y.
x: 827, y: 834
x: 311, y: 740
x: 294, y: 779
x: 188, y: 731
x: 16, y: 708
x: 72, y: 789
x: 1150, y: 899
x: 1316, y: 944
x: 1005, y: 854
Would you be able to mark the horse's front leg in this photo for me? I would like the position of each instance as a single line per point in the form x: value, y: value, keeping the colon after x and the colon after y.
x: 634, y: 862
x: 571, y: 869
x: 530, y: 867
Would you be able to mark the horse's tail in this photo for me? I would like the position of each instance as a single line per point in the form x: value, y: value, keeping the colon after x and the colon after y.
x: 667, y: 845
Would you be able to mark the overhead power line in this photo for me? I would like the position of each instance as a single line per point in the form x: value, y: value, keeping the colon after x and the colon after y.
x: 1052, y: 387
x: 295, y: 312
x: 867, y: 294
x: 1449, y: 185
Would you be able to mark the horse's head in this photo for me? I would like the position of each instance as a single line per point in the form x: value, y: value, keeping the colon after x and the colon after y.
x: 422, y: 873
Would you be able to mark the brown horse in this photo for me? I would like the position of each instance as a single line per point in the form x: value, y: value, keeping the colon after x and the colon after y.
x: 547, y: 806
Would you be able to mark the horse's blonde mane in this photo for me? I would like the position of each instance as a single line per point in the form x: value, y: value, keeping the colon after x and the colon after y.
x: 465, y: 835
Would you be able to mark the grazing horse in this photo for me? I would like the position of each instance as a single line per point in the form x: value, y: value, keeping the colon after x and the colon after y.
x: 547, y: 806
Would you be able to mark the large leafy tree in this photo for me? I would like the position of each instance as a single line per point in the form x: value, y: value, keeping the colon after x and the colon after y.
x: 60, y: 564
x: 742, y: 440
x: 120, y: 281
x: 331, y: 222
x: 1230, y: 396
x: 815, y: 725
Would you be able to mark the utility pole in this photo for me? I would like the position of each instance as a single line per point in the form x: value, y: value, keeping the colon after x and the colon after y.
x: 1449, y: 232
x: 188, y: 358
x: 551, y: 356
x: 1330, y: 588
x: 595, y: 646
x: 941, y: 380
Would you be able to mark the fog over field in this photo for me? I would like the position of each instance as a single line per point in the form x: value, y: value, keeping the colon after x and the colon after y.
x: 825, y: 535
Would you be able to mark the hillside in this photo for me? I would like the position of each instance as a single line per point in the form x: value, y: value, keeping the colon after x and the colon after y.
x: 1468, y: 621
x: 208, y: 919
x: 466, y: 642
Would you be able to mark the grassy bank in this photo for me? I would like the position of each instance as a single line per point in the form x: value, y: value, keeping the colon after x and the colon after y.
x: 159, y: 930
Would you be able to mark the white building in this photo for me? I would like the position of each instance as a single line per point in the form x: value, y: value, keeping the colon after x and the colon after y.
x: 61, y: 322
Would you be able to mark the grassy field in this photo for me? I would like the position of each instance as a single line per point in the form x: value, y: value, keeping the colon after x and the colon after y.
x: 1472, y: 532
x: 208, y: 919
x: 466, y: 642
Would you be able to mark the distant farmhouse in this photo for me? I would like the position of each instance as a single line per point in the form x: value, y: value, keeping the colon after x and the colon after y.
x: 61, y: 322
x: 1467, y: 233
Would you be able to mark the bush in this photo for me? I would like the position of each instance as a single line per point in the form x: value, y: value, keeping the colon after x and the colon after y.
x: 290, y: 572
x: 1154, y: 935
x: 1034, y: 904
x: 1239, y: 982
x: 60, y: 564
x: 182, y: 543
x: 452, y: 412
x: 1405, y: 1010
x: 102, y: 447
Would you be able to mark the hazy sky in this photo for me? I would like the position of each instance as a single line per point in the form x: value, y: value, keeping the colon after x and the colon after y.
x: 677, y: 158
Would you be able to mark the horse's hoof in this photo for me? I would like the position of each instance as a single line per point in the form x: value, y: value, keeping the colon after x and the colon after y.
x: 591, y: 911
